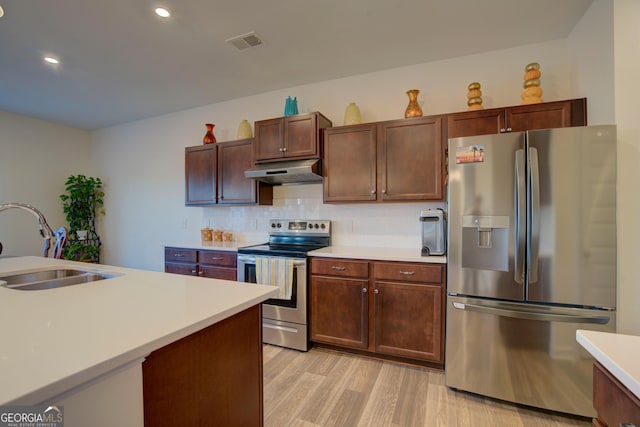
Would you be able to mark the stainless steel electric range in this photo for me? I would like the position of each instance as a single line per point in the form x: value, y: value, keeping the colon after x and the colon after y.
x: 285, y: 319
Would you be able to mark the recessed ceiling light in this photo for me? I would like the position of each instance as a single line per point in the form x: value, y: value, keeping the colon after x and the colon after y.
x: 51, y: 60
x: 162, y: 12
x: 1, y: 12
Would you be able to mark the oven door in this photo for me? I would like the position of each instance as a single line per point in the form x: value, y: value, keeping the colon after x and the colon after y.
x: 284, y: 322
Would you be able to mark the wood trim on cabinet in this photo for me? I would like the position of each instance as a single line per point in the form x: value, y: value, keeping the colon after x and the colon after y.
x: 210, y: 378
x: 614, y: 403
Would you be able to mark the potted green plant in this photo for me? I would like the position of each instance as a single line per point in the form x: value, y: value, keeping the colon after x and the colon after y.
x: 81, y: 203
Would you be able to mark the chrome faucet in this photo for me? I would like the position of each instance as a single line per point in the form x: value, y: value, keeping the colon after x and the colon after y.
x: 45, y: 231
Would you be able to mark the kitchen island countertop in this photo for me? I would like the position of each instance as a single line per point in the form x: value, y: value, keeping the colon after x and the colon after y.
x: 618, y: 353
x: 381, y: 254
x: 57, y: 339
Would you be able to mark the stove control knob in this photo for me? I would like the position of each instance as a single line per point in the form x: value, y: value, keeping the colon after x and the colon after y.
x: 279, y: 225
x: 323, y: 226
x: 317, y: 226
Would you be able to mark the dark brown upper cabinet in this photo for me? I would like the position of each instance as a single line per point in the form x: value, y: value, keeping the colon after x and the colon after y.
x: 200, y: 175
x: 392, y: 161
x: 547, y: 115
x: 214, y: 176
x: 290, y: 137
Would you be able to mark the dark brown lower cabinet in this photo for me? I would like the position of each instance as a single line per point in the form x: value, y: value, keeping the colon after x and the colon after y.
x: 613, y: 402
x: 408, y: 320
x: 339, y: 311
x: 203, y: 263
x: 210, y: 378
x: 393, y: 309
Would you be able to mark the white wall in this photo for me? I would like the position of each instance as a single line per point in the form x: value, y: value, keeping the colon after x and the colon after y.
x: 627, y: 105
x: 36, y: 157
x: 591, y: 46
x: 142, y: 163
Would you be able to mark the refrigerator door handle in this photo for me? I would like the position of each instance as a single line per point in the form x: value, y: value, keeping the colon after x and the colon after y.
x: 532, y: 315
x: 520, y: 223
x: 533, y: 248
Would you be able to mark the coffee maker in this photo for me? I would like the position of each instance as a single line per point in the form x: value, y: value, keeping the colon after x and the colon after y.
x: 433, y: 232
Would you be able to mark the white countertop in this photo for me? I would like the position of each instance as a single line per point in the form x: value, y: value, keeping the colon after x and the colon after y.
x: 382, y: 254
x: 56, y: 339
x: 616, y: 352
x: 218, y: 246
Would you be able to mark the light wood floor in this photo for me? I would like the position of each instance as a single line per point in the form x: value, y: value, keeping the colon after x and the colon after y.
x: 327, y: 388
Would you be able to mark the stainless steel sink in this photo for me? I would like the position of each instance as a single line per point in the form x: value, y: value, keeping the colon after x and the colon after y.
x: 50, y: 279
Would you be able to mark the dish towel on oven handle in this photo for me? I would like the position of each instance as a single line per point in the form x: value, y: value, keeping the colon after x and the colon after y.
x: 275, y: 271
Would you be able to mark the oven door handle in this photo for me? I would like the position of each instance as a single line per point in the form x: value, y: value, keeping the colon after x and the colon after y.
x: 249, y: 259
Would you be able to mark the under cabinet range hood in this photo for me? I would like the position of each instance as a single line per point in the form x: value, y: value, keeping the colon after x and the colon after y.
x: 288, y: 172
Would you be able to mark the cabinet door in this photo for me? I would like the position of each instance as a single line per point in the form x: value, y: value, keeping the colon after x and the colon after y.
x: 411, y: 158
x: 350, y: 164
x: 484, y: 122
x: 339, y: 311
x: 408, y: 320
x: 547, y: 115
x: 233, y: 187
x: 200, y: 175
x: 301, y: 136
x: 269, y: 139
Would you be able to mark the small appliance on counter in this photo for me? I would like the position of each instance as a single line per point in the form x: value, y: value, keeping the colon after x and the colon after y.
x: 433, y: 232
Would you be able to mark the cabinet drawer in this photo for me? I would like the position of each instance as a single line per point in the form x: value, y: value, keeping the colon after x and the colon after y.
x: 218, y: 258
x: 180, y: 255
x: 339, y: 267
x: 180, y: 268
x: 405, y: 272
x: 218, y: 272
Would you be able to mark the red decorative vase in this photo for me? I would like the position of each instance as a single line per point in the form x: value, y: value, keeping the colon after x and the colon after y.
x: 209, y: 137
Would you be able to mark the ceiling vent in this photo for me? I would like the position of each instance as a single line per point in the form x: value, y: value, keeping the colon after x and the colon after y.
x: 245, y: 41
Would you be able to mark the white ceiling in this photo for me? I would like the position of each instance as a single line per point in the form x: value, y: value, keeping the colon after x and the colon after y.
x: 120, y: 62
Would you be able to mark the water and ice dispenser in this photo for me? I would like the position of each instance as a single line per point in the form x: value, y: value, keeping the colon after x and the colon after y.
x: 433, y: 232
x: 485, y: 242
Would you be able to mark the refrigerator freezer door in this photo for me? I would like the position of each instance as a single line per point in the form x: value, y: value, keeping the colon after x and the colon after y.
x: 485, y: 224
x: 572, y: 216
x: 523, y: 353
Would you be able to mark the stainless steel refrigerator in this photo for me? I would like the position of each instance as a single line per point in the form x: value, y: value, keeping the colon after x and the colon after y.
x: 531, y: 259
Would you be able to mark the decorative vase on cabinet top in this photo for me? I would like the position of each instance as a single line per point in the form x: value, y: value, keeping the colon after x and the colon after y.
x: 352, y: 114
x: 413, y: 109
x: 291, y: 106
x: 209, y: 137
x: 244, y: 130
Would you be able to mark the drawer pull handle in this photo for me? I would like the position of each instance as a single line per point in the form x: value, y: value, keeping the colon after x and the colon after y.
x: 178, y: 255
x: 376, y: 291
x: 364, y: 290
x: 193, y: 272
x: 213, y: 258
x: 407, y: 273
x: 335, y: 267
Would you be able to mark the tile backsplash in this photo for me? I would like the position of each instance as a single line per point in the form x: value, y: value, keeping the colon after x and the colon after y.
x: 366, y: 224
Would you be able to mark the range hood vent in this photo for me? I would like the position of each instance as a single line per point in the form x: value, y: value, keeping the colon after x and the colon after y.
x: 289, y: 172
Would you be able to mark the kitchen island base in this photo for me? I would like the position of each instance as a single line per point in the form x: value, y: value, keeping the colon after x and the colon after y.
x: 210, y: 378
